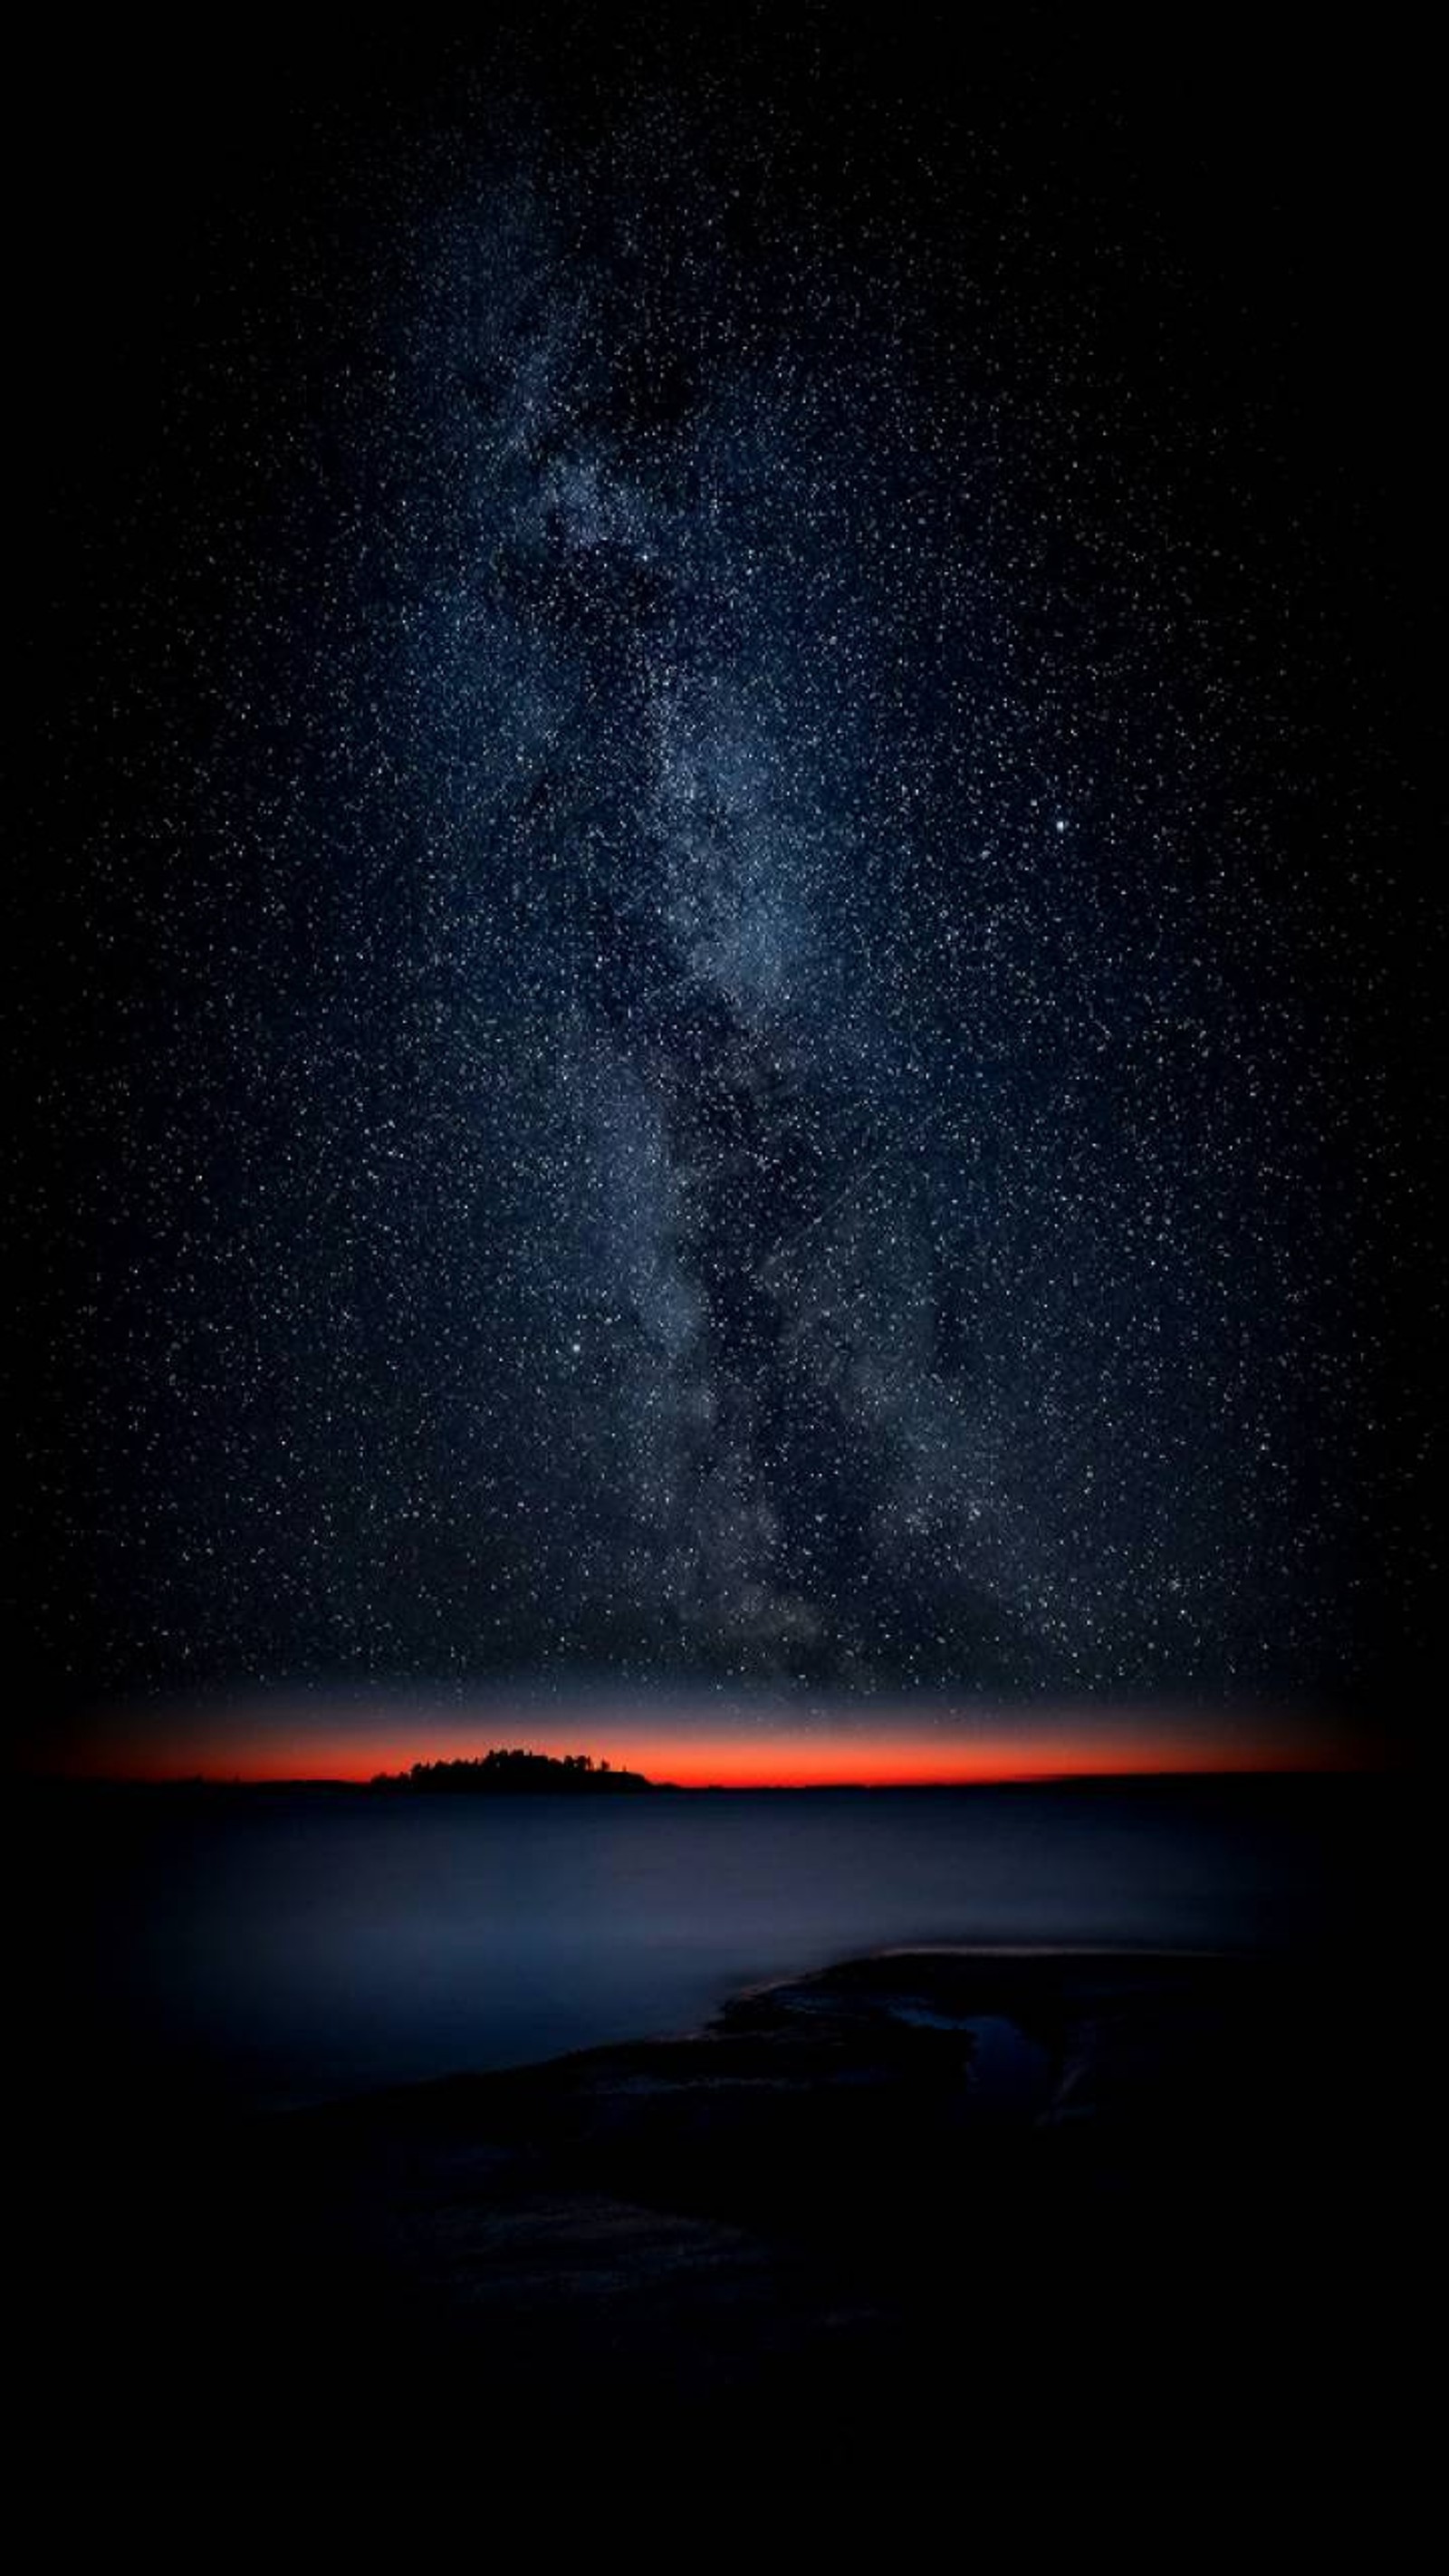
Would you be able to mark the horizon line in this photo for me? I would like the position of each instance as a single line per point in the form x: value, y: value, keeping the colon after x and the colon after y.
x: 1040, y: 1775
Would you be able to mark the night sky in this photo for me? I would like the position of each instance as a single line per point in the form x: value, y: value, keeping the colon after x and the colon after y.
x: 719, y: 992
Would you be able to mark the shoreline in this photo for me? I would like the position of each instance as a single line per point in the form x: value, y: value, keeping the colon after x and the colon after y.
x: 865, y: 2201
x: 798, y: 2186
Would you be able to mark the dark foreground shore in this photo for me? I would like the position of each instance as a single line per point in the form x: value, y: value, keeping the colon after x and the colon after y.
x: 912, y: 2195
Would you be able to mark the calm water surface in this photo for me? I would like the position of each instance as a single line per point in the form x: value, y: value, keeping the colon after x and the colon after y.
x: 285, y: 1946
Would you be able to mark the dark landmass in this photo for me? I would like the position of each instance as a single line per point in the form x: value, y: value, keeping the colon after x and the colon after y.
x: 902, y: 2201
x: 506, y: 1773
x: 544, y: 1773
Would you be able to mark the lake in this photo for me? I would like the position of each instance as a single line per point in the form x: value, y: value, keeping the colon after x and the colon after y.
x: 281, y: 1946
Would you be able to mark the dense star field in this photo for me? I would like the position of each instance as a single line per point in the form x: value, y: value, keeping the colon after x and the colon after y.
x: 722, y: 979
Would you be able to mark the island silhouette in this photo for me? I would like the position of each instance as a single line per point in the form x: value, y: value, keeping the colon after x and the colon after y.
x: 510, y: 1770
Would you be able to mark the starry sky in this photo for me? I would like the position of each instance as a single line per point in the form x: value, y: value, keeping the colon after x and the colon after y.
x: 720, y: 981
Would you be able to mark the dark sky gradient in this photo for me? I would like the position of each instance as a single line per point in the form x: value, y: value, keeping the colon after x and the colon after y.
x: 723, y: 991
x: 718, y: 1737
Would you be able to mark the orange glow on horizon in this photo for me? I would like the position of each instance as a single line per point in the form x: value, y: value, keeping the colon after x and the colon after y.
x: 223, y: 1750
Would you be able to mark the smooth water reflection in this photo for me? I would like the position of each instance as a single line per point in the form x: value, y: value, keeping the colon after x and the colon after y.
x: 287, y: 1946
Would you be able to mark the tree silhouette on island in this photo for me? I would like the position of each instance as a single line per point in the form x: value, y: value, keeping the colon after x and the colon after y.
x: 507, y: 1772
